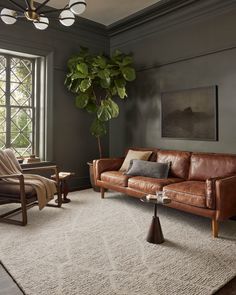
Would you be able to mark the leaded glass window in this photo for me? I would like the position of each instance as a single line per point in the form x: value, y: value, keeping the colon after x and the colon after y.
x: 17, y: 111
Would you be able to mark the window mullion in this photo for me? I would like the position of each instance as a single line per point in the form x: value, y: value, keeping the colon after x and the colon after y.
x: 8, y: 101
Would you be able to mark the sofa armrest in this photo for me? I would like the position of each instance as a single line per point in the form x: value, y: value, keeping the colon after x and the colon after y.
x: 106, y: 164
x: 226, y: 197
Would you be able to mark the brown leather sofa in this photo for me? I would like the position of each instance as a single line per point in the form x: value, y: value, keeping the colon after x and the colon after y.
x: 199, y: 183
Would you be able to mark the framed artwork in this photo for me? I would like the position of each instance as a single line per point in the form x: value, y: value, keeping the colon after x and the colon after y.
x: 190, y: 114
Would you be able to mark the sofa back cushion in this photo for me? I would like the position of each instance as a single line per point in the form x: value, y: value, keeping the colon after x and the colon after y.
x: 135, y: 154
x: 205, y: 166
x: 179, y: 162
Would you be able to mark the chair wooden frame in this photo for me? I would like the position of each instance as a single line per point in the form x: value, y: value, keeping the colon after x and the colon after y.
x: 25, y: 203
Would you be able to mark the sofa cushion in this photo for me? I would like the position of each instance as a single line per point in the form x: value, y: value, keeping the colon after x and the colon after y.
x: 187, y: 192
x: 132, y: 154
x: 148, y: 169
x: 204, y: 166
x: 150, y: 185
x: 179, y: 160
x: 115, y: 177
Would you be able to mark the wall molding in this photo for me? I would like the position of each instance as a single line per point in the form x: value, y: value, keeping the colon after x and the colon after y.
x: 153, y: 21
x: 150, y: 13
x: 186, y: 58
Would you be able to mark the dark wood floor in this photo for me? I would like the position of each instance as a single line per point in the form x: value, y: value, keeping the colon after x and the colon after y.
x: 9, y: 287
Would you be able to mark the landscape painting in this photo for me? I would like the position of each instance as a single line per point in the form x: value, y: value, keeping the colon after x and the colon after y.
x: 190, y: 114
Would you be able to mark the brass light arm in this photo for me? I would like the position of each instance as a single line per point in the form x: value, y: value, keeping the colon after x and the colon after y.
x: 28, y: 4
x: 41, y: 5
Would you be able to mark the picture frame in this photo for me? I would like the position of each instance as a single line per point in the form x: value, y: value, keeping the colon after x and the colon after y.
x: 190, y: 114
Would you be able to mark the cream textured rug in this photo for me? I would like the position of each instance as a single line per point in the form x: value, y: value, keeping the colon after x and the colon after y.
x: 97, y: 247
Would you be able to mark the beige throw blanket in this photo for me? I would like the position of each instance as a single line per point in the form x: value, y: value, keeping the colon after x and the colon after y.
x: 44, y: 187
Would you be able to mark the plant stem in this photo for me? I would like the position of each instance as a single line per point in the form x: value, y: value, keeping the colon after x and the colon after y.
x: 99, y: 146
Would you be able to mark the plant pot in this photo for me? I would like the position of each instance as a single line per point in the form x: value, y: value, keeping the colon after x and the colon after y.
x: 92, y: 181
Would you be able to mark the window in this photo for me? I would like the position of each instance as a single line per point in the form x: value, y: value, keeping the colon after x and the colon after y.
x: 17, y: 104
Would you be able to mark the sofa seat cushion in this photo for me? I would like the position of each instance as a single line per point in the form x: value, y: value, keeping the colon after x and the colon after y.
x: 115, y: 177
x: 12, y: 190
x: 187, y: 192
x: 150, y: 185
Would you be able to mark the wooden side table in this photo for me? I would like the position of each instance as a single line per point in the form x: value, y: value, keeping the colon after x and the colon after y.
x: 63, y: 177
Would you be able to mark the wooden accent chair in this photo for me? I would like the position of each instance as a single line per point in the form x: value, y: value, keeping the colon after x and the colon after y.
x: 24, y: 194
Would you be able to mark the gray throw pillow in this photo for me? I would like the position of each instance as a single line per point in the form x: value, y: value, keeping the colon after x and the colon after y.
x: 148, y: 169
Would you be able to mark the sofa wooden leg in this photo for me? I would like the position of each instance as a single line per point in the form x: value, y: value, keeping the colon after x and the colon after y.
x: 102, y: 192
x: 215, y: 227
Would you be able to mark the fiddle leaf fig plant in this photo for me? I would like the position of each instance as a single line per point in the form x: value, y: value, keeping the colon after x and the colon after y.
x: 96, y: 81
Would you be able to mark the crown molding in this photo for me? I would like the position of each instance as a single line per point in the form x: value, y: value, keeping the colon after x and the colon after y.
x: 148, y: 14
x: 179, y: 10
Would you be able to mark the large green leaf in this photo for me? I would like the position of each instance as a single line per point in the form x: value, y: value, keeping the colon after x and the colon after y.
x: 100, y: 61
x: 91, y: 107
x: 83, y: 68
x: 78, y: 75
x: 98, y: 128
x: 120, y: 86
x: 122, y: 92
x: 114, y: 108
x: 104, y: 112
x: 81, y: 100
x: 103, y: 74
x: 85, y: 85
x: 128, y: 73
x: 108, y: 110
x: 105, y: 83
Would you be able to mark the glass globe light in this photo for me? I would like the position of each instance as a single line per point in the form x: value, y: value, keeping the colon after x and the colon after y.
x: 77, y: 7
x: 42, y: 23
x: 8, y: 16
x: 67, y: 18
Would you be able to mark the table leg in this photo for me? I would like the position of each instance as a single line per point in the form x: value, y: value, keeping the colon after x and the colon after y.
x: 65, y: 190
x: 155, y: 235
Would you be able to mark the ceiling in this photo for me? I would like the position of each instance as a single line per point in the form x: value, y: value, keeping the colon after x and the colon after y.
x: 107, y: 12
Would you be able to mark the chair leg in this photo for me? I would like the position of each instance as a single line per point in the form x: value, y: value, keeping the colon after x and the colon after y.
x: 215, y: 227
x: 102, y: 192
x: 23, y: 201
x: 24, y: 213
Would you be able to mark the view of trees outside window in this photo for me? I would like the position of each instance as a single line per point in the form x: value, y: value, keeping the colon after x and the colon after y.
x: 17, y: 104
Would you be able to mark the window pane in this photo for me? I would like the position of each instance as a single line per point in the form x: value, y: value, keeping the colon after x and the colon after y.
x: 2, y: 79
x: 2, y: 68
x: 2, y: 127
x: 16, y: 104
x: 2, y: 93
x: 21, y: 82
x: 21, y: 131
x: 21, y: 94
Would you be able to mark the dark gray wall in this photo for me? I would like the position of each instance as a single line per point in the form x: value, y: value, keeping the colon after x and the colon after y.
x: 191, y: 48
x: 72, y: 143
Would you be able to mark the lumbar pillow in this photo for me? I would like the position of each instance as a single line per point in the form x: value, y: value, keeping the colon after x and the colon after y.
x: 148, y: 169
x: 131, y: 155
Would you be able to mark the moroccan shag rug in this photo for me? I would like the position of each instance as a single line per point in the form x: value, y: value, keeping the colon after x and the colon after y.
x: 98, y: 247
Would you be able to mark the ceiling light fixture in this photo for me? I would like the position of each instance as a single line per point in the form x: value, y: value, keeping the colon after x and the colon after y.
x: 39, y: 15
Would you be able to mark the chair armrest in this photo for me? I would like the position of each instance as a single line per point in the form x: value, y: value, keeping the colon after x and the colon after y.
x: 106, y: 164
x: 226, y: 197
x: 11, y: 176
x: 42, y: 168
